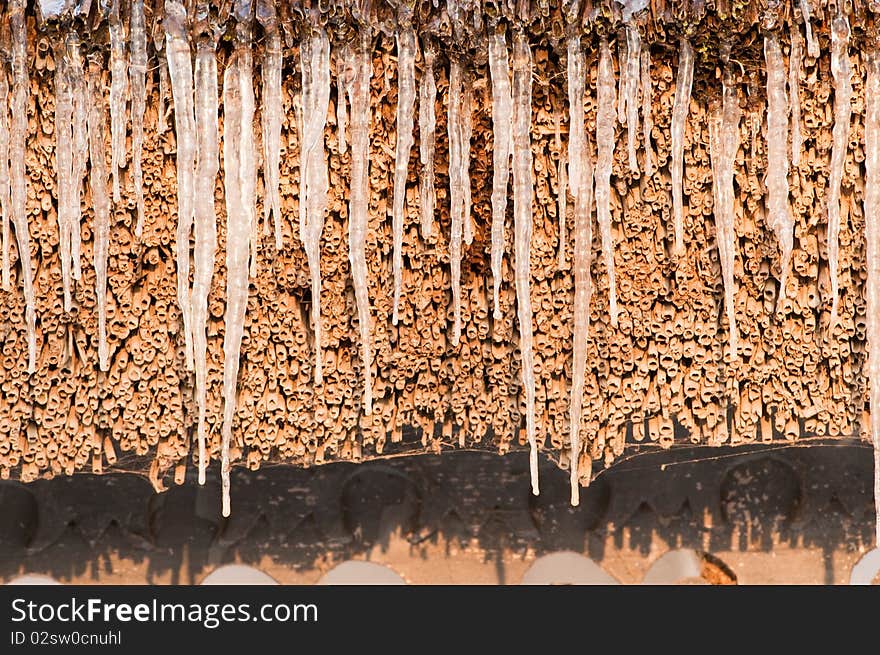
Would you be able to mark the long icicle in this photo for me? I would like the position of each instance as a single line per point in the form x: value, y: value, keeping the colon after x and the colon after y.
x: 457, y: 171
x: 248, y: 150
x: 406, y: 97
x: 81, y: 104
x: 207, y: 167
x: 272, y: 115
x: 137, y: 73
x: 779, y: 215
x: 795, y: 61
x: 315, y: 69
x: 680, y: 108
x: 841, y: 72
x: 605, y: 159
x: 581, y: 177
x: 64, y: 165
x: 18, y: 170
x: 522, y: 211
x: 359, y: 199
x: 647, y: 106
x: 343, y: 66
x: 5, y: 208
x: 427, y: 138
x: 633, y: 63
x: 502, y: 114
x: 872, y: 258
x: 561, y: 196
x: 177, y: 51
x: 100, y: 200
x: 118, y: 89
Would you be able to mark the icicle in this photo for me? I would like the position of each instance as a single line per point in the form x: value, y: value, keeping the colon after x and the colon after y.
x: 633, y: 59
x: 647, y: 105
x: 406, y: 96
x: 621, y: 81
x: 467, y: 103
x: 359, y: 199
x: 208, y: 164
x: 64, y: 165
x: 427, y: 136
x: 162, y: 106
x: 605, y: 159
x: 522, y: 211
x: 841, y: 71
x: 581, y: 175
x: 812, y: 41
x: 343, y: 58
x: 872, y: 258
x: 81, y: 104
x: 248, y: 150
x: 794, y: 80
x: 680, y: 108
x: 778, y: 210
x: 177, y: 52
x: 502, y: 114
x: 273, y: 115
x: 5, y: 208
x: 315, y: 69
x: 18, y: 172
x: 100, y: 200
x: 138, y: 71
x: 723, y: 145
x: 561, y: 198
x: 457, y: 172
x: 118, y: 89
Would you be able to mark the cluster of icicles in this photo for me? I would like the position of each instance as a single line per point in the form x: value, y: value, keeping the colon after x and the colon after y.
x: 192, y: 72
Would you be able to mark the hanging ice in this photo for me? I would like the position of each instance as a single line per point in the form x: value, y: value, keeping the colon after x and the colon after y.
x: 794, y: 79
x: 18, y: 172
x: 100, y: 200
x: 207, y: 166
x: 359, y: 199
x: 177, y: 52
x: 458, y: 171
x: 315, y: 68
x: 581, y: 177
x: 723, y: 145
x: 502, y: 114
x: 680, y: 108
x: 406, y: 96
x: 633, y: 62
x: 81, y: 103
x: 841, y: 72
x: 118, y: 89
x: 561, y: 198
x: 343, y: 65
x: 64, y: 164
x: 138, y: 71
x: 872, y: 258
x: 522, y: 212
x: 161, y: 105
x: 427, y: 137
x: 273, y: 115
x: 647, y: 105
x: 778, y: 210
x: 812, y: 41
x: 467, y: 224
x: 605, y: 159
x: 4, y: 172
x: 248, y: 150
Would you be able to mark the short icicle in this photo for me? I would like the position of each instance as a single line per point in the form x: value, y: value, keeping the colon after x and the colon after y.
x: 207, y: 167
x: 502, y: 114
x: 779, y: 216
x: 841, y: 72
x: 522, y: 210
x: 406, y: 97
x: 137, y: 76
x: 427, y: 138
x: 812, y: 41
x: 272, y: 118
x: 315, y: 71
x: 18, y: 170
x: 872, y: 259
x: 118, y: 89
x: 581, y: 179
x: 100, y: 200
x: 605, y: 159
x: 177, y: 51
x: 680, y: 108
x: 359, y: 200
